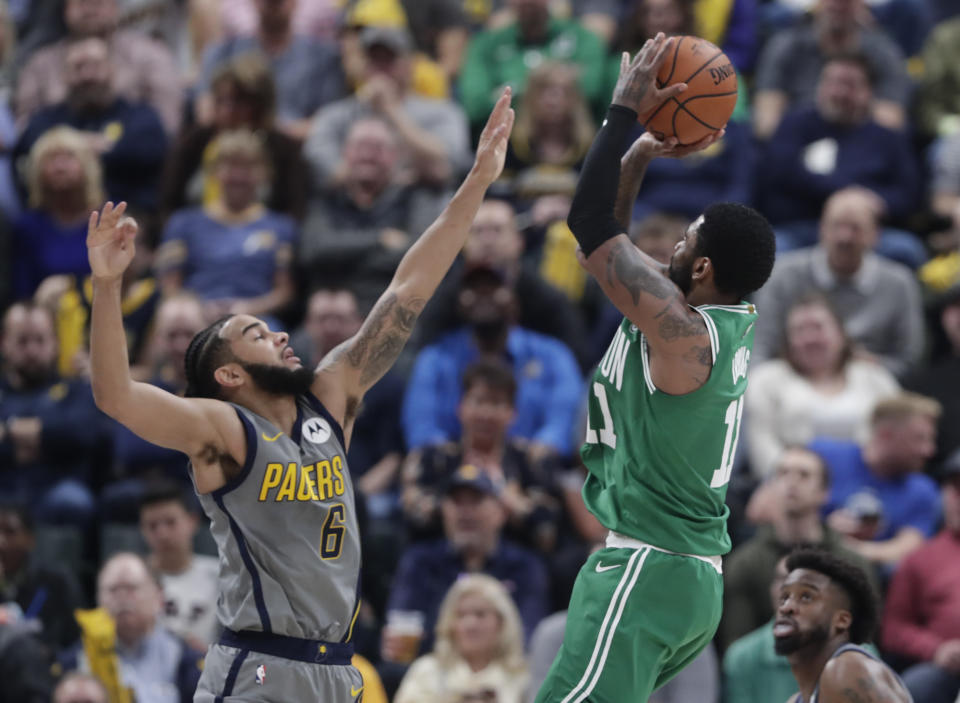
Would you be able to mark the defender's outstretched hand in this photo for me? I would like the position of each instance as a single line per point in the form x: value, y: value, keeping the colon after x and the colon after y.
x: 110, y: 238
x: 492, y: 148
x: 637, y: 85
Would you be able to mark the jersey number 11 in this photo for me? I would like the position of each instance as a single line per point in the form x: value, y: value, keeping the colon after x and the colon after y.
x: 606, y: 435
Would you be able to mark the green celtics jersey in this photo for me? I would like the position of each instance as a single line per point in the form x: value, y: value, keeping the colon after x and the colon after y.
x: 658, y: 464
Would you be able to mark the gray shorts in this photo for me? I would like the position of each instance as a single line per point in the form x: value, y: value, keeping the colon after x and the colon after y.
x: 232, y: 675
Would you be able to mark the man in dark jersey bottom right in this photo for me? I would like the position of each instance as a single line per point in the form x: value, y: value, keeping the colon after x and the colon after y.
x: 826, y: 609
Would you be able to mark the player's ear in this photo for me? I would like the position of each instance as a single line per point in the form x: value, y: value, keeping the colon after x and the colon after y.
x: 702, y: 268
x: 842, y: 620
x: 229, y: 375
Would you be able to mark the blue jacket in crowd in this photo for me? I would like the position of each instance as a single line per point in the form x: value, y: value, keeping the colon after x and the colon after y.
x: 548, y: 389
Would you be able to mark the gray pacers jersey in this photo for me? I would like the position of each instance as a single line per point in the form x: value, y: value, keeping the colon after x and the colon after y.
x: 286, y: 530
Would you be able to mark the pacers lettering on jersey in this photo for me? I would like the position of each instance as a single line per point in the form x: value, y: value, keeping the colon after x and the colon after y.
x: 740, y: 362
x: 320, y: 481
x: 613, y: 362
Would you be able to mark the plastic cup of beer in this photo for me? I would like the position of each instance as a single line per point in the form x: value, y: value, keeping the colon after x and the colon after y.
x: 406, y: 627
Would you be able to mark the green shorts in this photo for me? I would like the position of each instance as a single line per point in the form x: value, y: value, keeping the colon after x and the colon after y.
x: 636, y: 618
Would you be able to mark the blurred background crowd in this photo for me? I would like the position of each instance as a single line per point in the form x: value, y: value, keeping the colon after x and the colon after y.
x: 282, y: 155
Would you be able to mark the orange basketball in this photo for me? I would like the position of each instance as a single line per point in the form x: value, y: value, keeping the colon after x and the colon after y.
x: 709, y: 99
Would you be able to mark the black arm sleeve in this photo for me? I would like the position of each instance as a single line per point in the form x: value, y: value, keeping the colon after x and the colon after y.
x: 591, y: 214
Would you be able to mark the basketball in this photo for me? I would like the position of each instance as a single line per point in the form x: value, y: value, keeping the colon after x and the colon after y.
x: 709, y: 99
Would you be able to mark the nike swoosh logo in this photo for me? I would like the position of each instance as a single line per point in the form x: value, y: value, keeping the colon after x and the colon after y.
x: 271, y: 439
x: 601, y: 568
x: 354, y: 692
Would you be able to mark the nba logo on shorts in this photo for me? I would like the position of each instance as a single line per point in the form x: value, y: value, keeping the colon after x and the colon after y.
x: 261, y: 674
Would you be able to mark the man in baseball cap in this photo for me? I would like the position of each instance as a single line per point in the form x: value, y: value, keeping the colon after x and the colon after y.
x: 473, y: 518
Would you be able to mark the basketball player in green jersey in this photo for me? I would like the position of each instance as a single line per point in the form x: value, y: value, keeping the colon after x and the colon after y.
x: 664, y: 415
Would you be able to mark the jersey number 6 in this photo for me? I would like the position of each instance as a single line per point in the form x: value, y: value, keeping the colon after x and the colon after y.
x: 331, y: 536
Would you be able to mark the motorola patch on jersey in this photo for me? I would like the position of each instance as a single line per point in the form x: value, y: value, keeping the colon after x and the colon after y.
x: 317, y: 430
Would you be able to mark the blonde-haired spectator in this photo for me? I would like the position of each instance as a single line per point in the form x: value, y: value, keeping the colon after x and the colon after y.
x: 234, y: 253
x: 127, y: 136
x: 65, y: 183
x: 43, y: 190
x: 478, y: 650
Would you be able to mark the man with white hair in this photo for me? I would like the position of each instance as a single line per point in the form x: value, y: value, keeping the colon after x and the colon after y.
x: 158, y: 666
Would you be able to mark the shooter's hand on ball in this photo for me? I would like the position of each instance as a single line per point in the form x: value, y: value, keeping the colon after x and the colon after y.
x: 637, y: 85
x: 647, y: 148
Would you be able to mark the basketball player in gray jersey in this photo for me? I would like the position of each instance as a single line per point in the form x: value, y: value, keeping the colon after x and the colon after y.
x: 827, y: 608
x: 267, y: 441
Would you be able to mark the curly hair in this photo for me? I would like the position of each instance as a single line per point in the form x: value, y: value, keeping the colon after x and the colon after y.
x: 207, y: 351
x: 739, y: 242
x: 851, y: 580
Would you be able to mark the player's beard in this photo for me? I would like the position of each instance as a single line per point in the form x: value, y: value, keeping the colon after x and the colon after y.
x: 811, y: 639
x: 279, y: 380
x: 681, y: 274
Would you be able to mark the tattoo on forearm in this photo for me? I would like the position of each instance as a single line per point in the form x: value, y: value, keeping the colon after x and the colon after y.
x: 625, y: 267
x: 382, y: 336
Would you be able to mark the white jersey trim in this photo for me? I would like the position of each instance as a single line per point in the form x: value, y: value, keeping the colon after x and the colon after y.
x: 607, y: 629
x: 747, y: 309
x: 645, y: 363
x: 617, y: 541
x: 711, y: 332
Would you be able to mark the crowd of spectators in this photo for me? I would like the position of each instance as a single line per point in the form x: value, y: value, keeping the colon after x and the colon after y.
x: 282, y: 155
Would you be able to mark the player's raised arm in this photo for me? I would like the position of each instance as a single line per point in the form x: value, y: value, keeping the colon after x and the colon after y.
x: 633, y: 281
x: 633, y: 167
x: 350, y: 369
x: 197, y: 427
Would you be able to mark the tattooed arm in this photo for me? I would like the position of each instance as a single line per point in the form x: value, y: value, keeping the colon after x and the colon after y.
x: 854, y: 678
x: 633, y: 167
x: 600, y: 213
x: 680, y: 352
x: 348, y: 371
